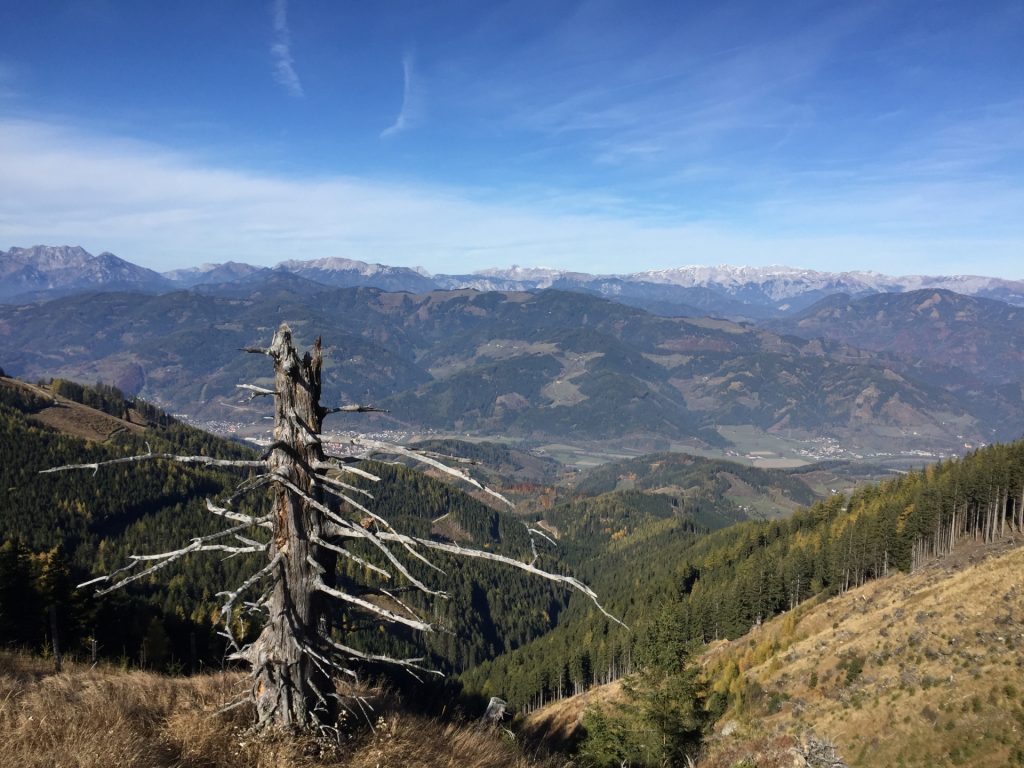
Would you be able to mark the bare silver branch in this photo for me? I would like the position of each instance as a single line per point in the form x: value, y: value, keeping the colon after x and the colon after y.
x: 366, y: 605
x: 207, y: 461
x: 238, y: 517
x: 335, y: 483
x: 480, y: 554
x: 163, y: 559
x: 367, y: 448
x: 354, y: 558
x: 372, y: 657
x: 354, y: 409
x: 226, y: 608
x: 255, y: 391
x: 336, y: 463
x: 538, y: 532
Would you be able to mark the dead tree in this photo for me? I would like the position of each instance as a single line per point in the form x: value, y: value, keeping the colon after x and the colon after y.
x: 315, y: 519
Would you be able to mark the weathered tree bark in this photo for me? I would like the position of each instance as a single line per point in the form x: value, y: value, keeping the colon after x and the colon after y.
x: 291, y: 688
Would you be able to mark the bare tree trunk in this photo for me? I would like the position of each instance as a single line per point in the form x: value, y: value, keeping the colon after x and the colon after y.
x: 292, y: 689
x: 55, y: 633
x: 1020, y: 512
x: 294, y: 655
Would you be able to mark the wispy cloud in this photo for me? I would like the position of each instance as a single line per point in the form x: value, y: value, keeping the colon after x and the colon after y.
x: 8, y: 79
x: 281, y: 51
x: 707, y: 82
x: 672, y: 84
x: 410, y: 100
x: 165, y: 209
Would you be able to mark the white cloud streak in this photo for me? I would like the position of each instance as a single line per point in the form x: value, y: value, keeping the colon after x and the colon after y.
x: 8, y: 79
x: 281, y: 51
x: 409, y: 100
x: 653, y: 97
x: 166, y: 210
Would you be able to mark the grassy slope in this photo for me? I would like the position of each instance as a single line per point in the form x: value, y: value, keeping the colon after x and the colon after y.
x: 104, y: 717
x: 73, y: 418
x: 941, y: 680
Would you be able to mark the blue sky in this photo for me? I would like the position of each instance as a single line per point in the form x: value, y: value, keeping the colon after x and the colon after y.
x: 605, y: 137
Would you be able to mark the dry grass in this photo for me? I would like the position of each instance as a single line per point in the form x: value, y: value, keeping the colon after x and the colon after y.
x: 559, y: 723
x: 938, y: 668
x: 937, y: 678
x: 766, y: 752
x: 109, y: 718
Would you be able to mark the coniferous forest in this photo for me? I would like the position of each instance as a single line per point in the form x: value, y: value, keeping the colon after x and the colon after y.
x: 680, y: 570
x: 723, y: 583
x: 63, y: 529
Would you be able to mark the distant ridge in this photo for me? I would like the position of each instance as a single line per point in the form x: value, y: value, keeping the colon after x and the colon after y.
x: 934, y: 325
x: 346, y: 273
x: 542, y: 365
x: 41, y: 272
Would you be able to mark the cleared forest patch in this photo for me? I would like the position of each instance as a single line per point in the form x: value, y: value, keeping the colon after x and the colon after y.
x: 912, y: 670
x: 73, y: 418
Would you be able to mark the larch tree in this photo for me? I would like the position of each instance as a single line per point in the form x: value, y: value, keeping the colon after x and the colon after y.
x: 315, y: 520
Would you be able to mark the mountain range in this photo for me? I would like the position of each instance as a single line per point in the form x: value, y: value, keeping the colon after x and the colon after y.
x: 545, y: 365
x: 42, y: 272
x: 920, y: 370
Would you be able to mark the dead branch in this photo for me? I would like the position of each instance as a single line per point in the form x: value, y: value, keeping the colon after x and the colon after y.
x: 480, y: 554
x: 334, y: 482
x: 354, y: 558
x: 163, y: 559
x: 353, y: 409
x: 225, y: 610
x: 366, y: 605
x: 339, y: 464
x: 538, y: 532
x: 255, y: 391
x: 259, y: 351
x: 238, y: 517
x: 207, y: 461
x: 362, y: 448
x: 372, y: 657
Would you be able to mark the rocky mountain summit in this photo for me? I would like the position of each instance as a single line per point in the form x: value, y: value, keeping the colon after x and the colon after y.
x: 50, y: 271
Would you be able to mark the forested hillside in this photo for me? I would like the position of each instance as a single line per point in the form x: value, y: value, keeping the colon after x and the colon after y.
x: 64, y: 528
x: 752, y: 490
x: 60, y: 529
x: 723, y: 584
